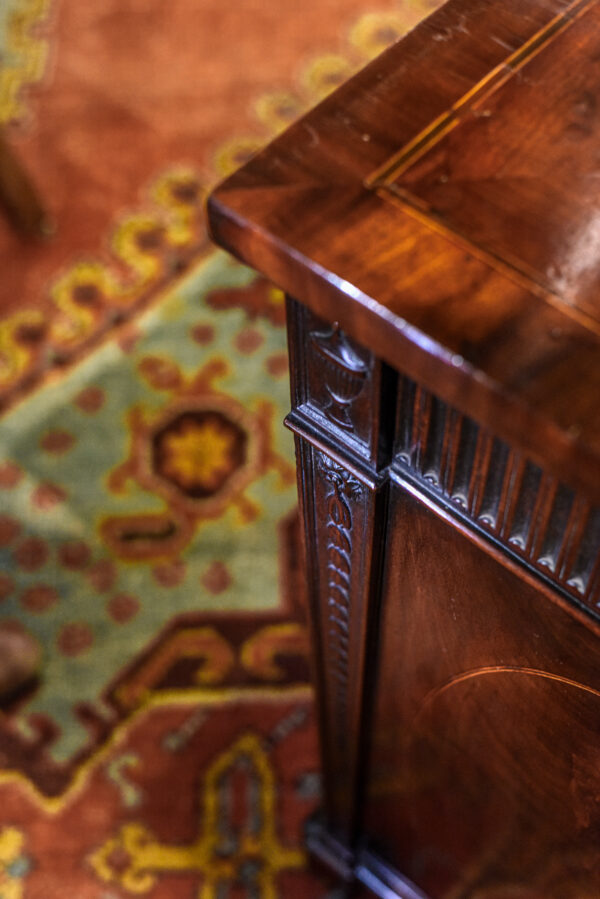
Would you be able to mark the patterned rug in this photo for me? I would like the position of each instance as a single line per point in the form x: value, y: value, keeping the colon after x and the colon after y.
x: 149, y: 537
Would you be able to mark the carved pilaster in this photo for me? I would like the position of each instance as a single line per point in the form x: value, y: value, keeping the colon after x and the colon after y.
x: 339, y: 391
x: 341, y: 513
x: 345, y: 492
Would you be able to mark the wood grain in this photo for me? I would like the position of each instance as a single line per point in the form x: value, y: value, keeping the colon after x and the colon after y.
x: 484, y: 766
x: 452, y: 305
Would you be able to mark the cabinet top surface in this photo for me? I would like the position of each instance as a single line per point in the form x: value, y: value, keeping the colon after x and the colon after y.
x: 514, y: 167
x: 444, y: 206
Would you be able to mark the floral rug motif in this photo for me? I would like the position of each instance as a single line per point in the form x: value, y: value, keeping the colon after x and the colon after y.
x: 154, y: 480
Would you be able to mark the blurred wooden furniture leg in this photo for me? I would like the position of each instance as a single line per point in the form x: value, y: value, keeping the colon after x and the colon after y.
x: 19, y: 199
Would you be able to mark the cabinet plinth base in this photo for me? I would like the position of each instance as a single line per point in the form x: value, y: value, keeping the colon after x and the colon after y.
x: 363, y: 868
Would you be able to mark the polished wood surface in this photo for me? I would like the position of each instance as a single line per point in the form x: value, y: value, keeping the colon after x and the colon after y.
x: 436, y: 223
x: 463, y: 309
x: 514, y: 168
x: 455, y: 587
x: 485, y: 773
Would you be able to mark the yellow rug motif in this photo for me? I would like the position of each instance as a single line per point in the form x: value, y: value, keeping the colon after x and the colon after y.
x: 134, y: 859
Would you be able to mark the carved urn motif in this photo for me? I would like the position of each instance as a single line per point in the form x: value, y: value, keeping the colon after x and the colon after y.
x: 344, y: 373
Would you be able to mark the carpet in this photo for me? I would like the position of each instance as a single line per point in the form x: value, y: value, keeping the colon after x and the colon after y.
x: 149, y: 537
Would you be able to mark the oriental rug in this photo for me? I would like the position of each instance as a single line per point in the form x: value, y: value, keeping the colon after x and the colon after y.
x: 149, y: 536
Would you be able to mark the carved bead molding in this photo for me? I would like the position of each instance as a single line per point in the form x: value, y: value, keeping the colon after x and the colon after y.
x: 528, y: 510
x: 338, y: 566
x: 344, y: 373
x: 342, y: 512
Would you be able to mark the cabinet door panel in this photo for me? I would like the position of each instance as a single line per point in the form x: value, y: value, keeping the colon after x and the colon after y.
x: 484, y: 777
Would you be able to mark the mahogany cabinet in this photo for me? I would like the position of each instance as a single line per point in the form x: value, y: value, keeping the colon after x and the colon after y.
x: 437, y: 222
